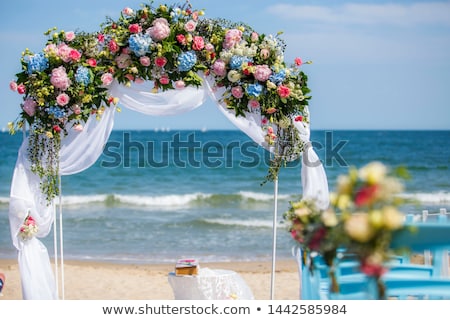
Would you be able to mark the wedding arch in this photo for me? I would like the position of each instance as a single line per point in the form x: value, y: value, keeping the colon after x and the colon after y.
x: 158, y: 61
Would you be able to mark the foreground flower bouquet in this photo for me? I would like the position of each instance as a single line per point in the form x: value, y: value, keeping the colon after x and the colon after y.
x: 360, y: 221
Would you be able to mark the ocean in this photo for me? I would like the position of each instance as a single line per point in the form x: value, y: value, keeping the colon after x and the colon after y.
x: 157, y: 196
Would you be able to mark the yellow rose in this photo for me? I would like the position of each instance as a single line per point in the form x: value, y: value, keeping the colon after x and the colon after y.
x: 376, y: 218
x: 329, y: 218
x: 373, y: 172
x: 358, y: 227
x: 343, y: 201
x: 393, y: 219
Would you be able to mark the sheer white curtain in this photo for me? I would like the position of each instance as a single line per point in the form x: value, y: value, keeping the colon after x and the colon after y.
x: 79, y: 150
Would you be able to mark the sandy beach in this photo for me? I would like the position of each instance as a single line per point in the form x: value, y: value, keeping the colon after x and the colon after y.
x: 87, y: 280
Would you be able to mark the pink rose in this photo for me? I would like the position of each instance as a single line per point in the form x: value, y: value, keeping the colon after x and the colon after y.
x: 265, y: 53
x: 160, y: 29
x: 219, y: 68
x: 92, y: 62
x: 254, y: 37
x: 164, y: 79
x: 29, y: 106
x: 13, y: 85
x: 283, y: 91
x: 127, y: 11
x: 70, y: 35
x: 232, y: 38
x: 107, y: 78
x: 180, y: 84
x: 59, y: 78
x: 254, y: 104
x: 139, y: 80
x: 113, y: 46
x: 129, y: 77
x: 56, y: 128
x: 262, y: 73
x: 181, y: 39
x: 135, y: 28
x: 21, y: 89
x: 298, y: 118
x: 271, y: 110
x: 123, y: 61
x: 74, y: 55
x: 264, y: 121
x: 298, y: 62
x: 198, y: 43
x: 101, y: 38
x: 62, y: 99
x: 190, y: 26
x: 78, y: 127
x: 76, y: 109
x: 160, y: 61
x: 237, y: 92
x: 145, y: 61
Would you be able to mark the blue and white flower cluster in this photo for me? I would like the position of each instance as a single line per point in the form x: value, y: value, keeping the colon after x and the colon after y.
x: 36, y: 63
x: 140, y: 44
x: 187, y: 60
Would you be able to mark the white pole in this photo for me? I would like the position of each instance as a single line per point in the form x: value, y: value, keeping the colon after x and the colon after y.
x: 61, y: 239
x: 55, y: 249
x: 274, y: 237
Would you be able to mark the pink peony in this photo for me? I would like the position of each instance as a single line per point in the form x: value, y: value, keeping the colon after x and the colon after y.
x: 262, y: 73
x: 219, y: 68
x: 190, y: 26
x: 198, y: 43
x: 29, y: 106
x: 70, y: 35
x: 160, y: 29
x: 283, y: 91
x: 232, y: 38
x: 237, y: 92
x: 107, y: 78
x: 59, y: 78
x: 145, y: 61
x: 64, y: 52
x: 62, y: 99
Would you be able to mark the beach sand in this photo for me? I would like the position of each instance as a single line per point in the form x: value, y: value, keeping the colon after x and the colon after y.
x: 86, y: 280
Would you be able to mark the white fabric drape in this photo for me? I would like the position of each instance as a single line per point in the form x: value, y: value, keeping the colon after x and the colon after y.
x: 80, y: 150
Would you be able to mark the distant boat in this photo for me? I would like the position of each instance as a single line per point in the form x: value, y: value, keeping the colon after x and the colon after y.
x: 204, y: 129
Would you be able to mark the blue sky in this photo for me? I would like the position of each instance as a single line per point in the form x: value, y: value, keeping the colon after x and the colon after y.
x: 376, y: 64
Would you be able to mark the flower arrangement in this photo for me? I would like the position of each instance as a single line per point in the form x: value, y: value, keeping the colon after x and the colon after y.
x: 29, y: 228
x: 67, y: 82
x: 361, y: 219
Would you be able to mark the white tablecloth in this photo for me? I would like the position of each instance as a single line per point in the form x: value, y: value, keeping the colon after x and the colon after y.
x: 210, y: 284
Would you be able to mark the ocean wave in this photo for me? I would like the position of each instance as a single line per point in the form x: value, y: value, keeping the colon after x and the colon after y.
x: 170, y: 200
x: 242, y: 223
x: 435, y: 198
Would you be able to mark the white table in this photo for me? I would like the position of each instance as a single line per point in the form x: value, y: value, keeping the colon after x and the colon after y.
x: 210, y: 284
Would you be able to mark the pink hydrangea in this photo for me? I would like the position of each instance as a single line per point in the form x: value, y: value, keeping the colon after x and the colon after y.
x: 160, y: 29
x: 262, y: 73
x: 59, y: 78
x: 62, y: 99
x: 219, y: 68
x: 29, y: 106
x: 232, y: 38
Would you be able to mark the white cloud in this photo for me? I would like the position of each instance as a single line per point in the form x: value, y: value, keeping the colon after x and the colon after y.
x: 428, y: 13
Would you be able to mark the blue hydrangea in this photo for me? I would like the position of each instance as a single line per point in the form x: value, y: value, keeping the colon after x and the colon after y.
x: 278, y: 77
x: 36, y: 63
x: 237, y: 61
x: 83, y: 75
x: 140, y: 44
x: 254, y: 90
x: 56, y: 112
x: 187, y: 60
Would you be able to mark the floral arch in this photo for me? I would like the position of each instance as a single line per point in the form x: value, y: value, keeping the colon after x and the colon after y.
x: 157, y: 61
